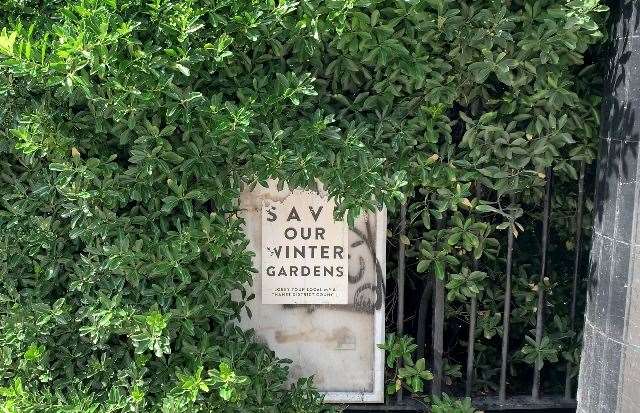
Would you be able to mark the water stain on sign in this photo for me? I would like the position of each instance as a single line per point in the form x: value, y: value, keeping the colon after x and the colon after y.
x: 320, y: 340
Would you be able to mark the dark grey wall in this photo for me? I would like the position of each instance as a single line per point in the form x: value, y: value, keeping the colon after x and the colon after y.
x: 609, y: 378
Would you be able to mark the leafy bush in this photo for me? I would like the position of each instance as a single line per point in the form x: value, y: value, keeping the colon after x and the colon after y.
x: 412, y: 375
x: 446, y: 404
x: 128, y: 128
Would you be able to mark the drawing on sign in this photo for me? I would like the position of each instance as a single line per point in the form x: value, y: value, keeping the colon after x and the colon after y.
x: 365, y: 295
x: 304, y: 251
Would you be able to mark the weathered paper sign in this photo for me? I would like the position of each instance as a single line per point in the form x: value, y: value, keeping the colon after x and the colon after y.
x: 319, y: 339
x: 304, y: 251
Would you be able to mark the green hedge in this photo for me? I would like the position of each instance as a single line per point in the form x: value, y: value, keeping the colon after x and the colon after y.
x: 128, y: 128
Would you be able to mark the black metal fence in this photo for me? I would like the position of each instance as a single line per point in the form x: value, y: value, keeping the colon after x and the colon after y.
x: 504, y: 400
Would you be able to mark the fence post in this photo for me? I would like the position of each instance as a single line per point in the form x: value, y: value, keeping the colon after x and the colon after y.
x: 470, y: 345
x: 535, y: 388
x: 473, y: 313
x: 438, y: 336
x: 401, y: 270
x: 502, y: 393
x: 576, y: 268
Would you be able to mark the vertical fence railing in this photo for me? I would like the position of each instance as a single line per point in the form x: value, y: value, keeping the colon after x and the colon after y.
x: 402, y: 230
x: 576, y: 269
x: 535, y: 387
x: 473, y: 314
x: 502, y: 390
x: 433, y: 296
x: 423, y: 310
x: 473, y: 310
x: 438, y: 336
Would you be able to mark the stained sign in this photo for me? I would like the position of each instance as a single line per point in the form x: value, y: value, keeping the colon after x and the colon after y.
x: 320, y: 340
x: 304, y: 251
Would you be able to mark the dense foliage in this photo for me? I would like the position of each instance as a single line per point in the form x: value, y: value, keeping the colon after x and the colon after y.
x: 128, y: 128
